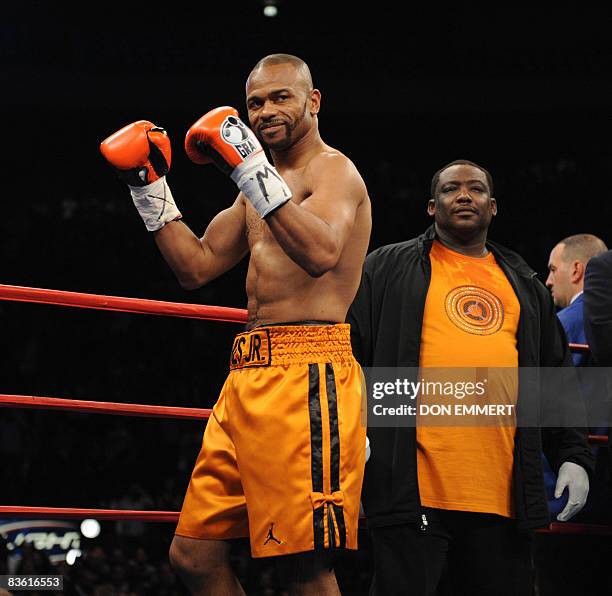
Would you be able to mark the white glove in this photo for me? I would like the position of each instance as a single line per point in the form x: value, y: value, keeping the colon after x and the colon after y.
x: 575, y: 478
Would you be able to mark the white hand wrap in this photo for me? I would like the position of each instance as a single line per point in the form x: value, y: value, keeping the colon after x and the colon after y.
x: 155, y: 204
x: 258, y: 179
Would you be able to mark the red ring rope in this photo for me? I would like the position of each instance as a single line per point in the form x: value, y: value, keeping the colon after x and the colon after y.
x: 579, y: 348
x: 122, y: 409
x: 102, y: 407
x: 115, y: 303
x: 99, y: 514
x: 140, y: 305
x: 172, y: 516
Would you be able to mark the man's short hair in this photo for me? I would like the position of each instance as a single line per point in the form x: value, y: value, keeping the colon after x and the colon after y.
x: 582, y: 247
x: 298, y: 63
x: 460, y: 162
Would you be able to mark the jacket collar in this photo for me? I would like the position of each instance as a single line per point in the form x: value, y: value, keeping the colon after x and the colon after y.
x: 501, y: 253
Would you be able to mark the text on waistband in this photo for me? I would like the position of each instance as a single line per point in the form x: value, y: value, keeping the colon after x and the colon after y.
x: 251, y: 349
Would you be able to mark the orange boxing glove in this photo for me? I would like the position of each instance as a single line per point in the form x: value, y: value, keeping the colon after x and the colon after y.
x: 140, y: 154
x: 222, y: 138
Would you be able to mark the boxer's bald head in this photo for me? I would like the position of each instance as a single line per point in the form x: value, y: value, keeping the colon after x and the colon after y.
x: 302, y: 71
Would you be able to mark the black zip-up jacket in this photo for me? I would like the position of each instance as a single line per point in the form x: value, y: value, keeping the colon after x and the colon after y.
x: 386, y: 320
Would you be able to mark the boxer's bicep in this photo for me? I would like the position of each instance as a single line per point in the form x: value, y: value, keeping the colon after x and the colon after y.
x: 196, y: 261
x: 225, y: 240
x: 337, y: 192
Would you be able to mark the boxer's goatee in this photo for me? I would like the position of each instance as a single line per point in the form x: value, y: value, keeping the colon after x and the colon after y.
x: 289, y: 128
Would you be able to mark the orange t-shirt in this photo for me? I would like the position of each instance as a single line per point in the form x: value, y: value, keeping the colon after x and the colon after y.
x: 470, y: 320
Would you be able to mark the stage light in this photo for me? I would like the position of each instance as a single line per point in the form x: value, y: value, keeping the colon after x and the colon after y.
x: 270, y: 8
x: 90, y: 528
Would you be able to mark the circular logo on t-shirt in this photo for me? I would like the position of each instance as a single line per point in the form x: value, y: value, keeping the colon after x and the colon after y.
x: 475, y: 310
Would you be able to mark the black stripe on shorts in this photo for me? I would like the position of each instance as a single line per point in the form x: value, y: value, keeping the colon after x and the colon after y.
x: 316, y: 449
x: 332, y: 401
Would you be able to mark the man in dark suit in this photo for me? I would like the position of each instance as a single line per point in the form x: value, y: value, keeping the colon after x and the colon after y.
x: 598, y: 327
x: 566, y: 266
x: 566, y: 272
x: 598, y: 308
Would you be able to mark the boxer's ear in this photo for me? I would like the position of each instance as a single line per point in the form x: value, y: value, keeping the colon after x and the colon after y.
x: 314, y: 102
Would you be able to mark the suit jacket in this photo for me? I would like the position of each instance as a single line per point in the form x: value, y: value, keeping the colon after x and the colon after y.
x: 572, y: 319
x: 598, y: 307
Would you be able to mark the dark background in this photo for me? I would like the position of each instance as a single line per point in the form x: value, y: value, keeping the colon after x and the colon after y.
x: 524, y: 91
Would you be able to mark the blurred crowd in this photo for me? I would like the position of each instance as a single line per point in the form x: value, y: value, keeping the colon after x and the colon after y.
x: 131, y: 561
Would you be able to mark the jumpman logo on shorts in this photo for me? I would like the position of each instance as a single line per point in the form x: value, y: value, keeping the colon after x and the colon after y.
x: 271, y: 535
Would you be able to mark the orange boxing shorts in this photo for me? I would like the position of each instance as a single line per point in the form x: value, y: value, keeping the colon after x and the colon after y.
x: 283, y: 453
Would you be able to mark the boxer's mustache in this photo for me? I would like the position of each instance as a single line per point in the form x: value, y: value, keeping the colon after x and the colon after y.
x: 273, y: 123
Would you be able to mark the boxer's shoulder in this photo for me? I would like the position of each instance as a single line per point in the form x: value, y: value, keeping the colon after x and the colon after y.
x: 328, y: 158
x: 331, y: 166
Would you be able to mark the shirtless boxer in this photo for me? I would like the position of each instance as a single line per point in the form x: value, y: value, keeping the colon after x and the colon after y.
x: 283, y: 452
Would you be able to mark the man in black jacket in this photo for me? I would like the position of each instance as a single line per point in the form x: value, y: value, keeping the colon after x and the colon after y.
x: 464, y: 497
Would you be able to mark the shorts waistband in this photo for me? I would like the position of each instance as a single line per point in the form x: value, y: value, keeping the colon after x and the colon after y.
x: 293, y: 323
x: 291, y: 344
